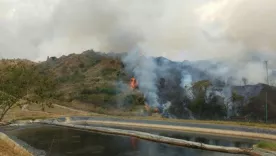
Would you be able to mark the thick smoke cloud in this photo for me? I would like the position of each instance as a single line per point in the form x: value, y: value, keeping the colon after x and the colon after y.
x: 251, y: 22
x: 233, y: 31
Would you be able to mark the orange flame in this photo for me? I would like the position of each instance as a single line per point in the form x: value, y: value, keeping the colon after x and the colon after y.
x: 148, y: 108
x: 133, y: 83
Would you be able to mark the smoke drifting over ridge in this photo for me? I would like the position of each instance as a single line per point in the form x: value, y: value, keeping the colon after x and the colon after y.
x: 227, y: 30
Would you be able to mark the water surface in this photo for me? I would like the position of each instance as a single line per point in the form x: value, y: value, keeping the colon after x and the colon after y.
x: 59, y: 141
x: 220, y: 140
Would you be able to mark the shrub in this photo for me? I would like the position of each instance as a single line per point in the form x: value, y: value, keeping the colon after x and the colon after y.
x: 267, y: 145
x: 81, y: 65
x: 134, y: 99
x: 108, y: 91
x: 108, y: 71
x: 101, y: 110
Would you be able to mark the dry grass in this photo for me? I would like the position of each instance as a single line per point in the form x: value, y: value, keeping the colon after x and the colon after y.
x: 35, y: 112
x: 61, y: 111
x: 234, y: 123
x: 183, y: 129
x: 132, y: 115
x: 9, y: 150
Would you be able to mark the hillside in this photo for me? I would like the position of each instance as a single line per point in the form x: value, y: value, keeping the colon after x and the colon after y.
x: 99, y: 82
x: 92, y: 80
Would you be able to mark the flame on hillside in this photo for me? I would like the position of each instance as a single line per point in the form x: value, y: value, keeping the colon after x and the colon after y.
x: 133, y: 83
x: 149, y: 109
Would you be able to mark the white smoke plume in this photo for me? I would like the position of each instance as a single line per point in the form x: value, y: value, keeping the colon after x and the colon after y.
x: 227, y: 30
x: 186, y: 84
x: 143, y: 69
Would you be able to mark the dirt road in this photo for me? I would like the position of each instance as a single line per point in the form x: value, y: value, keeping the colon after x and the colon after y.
x: 183, y: 124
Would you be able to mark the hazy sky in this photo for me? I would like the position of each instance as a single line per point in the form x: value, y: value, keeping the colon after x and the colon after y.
x: 177, y: 29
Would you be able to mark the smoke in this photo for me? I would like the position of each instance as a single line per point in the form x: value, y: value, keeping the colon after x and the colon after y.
x: 224, y: 30
x: 186, y: 84
x: 143, y: 69
x: 250, y: 22
x: 186, y: 80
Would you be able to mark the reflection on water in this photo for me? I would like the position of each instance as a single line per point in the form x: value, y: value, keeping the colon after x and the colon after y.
x: 213, y: 140
x: 202, y: 138
x: 58, y: 141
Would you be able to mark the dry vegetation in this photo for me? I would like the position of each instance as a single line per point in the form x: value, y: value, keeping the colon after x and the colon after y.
x: 229, y: 123
x: 35, y: 112
x: 8, y: 150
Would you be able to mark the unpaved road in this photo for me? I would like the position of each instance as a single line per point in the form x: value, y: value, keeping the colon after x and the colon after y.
x: 184, y: 124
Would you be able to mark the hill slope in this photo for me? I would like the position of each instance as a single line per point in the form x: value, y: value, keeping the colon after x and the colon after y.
x: 100, y: 82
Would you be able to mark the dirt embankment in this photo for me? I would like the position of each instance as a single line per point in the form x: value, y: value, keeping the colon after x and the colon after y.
x: 8, y: 147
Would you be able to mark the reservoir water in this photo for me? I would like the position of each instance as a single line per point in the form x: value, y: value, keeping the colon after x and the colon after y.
x: 60, y: 141
x: 220, y: 140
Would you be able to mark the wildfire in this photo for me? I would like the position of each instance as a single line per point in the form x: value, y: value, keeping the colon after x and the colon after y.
x: 149, y: 109
x: 133, y: 83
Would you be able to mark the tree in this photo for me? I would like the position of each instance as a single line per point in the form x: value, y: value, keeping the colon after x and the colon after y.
x: 6, y: 103
x: 201, y: 86
x: 236, y: 98
x: 206, y: 106
x: 13, y: 86
x: 227, y: 103
x: 214, y: 108
x: 199, y: 91
x: 22, y: 81
x: 245, y: 81
x: 43, y: 88
x: 196, y: 106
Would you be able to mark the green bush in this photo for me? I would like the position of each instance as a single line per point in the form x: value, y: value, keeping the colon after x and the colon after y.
x: 108, y: 91
x: 87, y: 91
x: 134, y: 99
x: 81, y: 65
x: 212, y: 109
x: 63, y: 79
x: 94, y: 62
x: 108, y: 71
x: 267, y: 145
x: 75, y: 77
x: 100, y: 110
